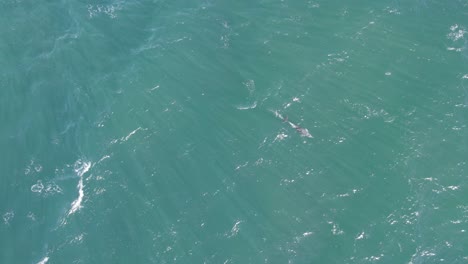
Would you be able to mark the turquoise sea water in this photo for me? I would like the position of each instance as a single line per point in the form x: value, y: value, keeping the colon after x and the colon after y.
x: 145, y: 131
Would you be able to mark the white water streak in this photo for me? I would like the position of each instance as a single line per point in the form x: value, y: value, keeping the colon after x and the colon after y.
x: 44, y: 260
x: 131, y: 134
x: 247, y: 107
x: 80, y: 168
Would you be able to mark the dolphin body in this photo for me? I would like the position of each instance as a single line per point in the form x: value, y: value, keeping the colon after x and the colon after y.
x: 302, y: 131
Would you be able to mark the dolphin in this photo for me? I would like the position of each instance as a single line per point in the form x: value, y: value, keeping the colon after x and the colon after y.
x: 304, y: 132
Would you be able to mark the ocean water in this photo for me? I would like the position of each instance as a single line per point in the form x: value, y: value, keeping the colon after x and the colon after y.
x: 168, y: 131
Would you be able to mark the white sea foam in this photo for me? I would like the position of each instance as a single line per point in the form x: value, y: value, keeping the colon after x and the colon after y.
x: 76, y: 204
x: 80, y: 169
x: 131, y: 134
x: 38, y: 187
x: 123, y: 139
x: 110, y: 10
x: 247, y: 107
x: 456, y: 33
x: 103, y: 158
x: 154, y: 88
x: 44, y: 260
x: 281, y: 136
x: 8, y: 216
x: 250, y: 85
x: 47, y: 189
x: 235, y: 229
x: 360, y: 236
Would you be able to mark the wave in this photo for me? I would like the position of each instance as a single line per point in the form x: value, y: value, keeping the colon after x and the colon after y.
x: 247, y: 107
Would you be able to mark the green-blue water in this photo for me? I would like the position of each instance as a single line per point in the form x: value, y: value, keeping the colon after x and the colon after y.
x: 151, y: 131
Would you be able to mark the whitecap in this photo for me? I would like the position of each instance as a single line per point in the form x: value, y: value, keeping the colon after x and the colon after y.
x: 235, y: 229
x: 252, y: 106
x: 80, y: 169
x: 281, y: 136
x: 250, y: 85
x: 360, y: 236
x: 76, y: 204
x: 44, y: 260
x: 53, y: 188
x: 38, y: 187
x: 8, y: 216
x: 131, y: 134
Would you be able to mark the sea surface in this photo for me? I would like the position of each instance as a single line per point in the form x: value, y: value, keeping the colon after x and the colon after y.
x: 172, y: 131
